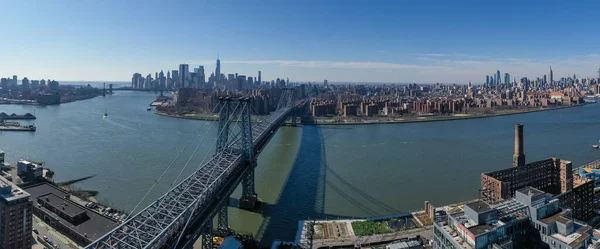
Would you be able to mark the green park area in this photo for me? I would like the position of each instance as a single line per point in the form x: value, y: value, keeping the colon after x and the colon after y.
x: 362, y: 228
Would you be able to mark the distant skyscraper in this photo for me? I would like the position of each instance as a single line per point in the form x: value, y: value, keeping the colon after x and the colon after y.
x: 260, y: 79
x: 14, y: 81
x: 507, y: 80
x: 25, y: 83
x: 184, y: 76
x: 241, y: 80
x: 498, y: 80
x: 487, y: 80
x: 175, y: 77
x: 551, y: 82
x: 218, y: 71
x: 201, y: 75
x: 161, y: 80
x: 545, y: 80
x: 136, y: 80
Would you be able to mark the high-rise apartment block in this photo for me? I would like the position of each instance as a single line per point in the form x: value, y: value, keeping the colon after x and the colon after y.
x: 15, y: 216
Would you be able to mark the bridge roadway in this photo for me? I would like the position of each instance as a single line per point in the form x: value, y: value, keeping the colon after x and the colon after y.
x: 204, y: 191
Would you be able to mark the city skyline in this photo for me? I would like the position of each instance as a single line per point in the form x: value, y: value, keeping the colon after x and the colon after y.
x: 380, y: 42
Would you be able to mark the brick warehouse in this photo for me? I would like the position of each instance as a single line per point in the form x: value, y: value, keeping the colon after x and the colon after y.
x: 552, y: 175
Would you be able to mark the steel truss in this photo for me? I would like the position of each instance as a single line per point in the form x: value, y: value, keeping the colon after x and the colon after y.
x: 161, y: 222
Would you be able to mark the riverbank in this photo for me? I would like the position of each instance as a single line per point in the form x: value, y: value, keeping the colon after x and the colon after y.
x: 63, y: 100
x: 442, y: 118
x: 197, y: 116
x: 214, y: 117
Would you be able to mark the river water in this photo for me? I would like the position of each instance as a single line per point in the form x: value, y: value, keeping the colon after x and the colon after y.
x: 304, y: 172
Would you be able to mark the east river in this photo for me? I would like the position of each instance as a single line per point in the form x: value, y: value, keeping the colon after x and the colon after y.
x: 305, y: 172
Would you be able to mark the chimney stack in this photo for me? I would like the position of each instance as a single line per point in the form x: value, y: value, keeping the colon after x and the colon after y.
x: 518, y: 157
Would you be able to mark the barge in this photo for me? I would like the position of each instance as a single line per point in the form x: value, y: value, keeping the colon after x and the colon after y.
x: 15, y: 126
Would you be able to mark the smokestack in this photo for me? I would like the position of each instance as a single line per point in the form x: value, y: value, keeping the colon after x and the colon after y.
x: 519, y: 157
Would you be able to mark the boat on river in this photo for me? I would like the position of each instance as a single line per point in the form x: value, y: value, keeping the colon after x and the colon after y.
x: 15, y: 126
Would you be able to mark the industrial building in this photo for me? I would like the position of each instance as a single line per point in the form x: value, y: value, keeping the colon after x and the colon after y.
x: 77, y: 222
x: 15, y: 216
x: 532, y: 219
x: 552, y: 175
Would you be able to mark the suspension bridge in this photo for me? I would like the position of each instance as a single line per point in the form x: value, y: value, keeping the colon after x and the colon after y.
x: 188, y: 209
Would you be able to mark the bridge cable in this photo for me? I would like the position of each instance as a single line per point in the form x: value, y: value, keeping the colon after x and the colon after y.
x: 198, y: 199
x: 170, y: 165
x: 202, y: 165
x: 199, y: 167
x: 194, y: 153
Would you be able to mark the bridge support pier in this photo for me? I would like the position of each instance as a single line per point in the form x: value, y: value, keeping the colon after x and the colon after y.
x: 294, y: 118
x: 207, y: 236
x: 249, y: 200
x: 223, y: 220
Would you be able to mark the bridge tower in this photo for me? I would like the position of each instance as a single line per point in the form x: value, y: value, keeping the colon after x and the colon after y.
x: 249, y: 197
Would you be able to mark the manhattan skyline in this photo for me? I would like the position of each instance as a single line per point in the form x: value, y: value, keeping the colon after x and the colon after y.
x: 399, y: 42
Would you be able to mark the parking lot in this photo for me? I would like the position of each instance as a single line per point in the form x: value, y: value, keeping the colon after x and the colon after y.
x: 55, y: 237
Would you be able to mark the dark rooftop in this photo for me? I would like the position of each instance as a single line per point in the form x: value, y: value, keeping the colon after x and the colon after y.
x: 62, y: 204
x: 481, y: 229
x: 479, y: 206
x: 95, y: 227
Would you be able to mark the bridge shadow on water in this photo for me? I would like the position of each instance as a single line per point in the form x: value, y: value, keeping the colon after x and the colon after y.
x: 303, y: 195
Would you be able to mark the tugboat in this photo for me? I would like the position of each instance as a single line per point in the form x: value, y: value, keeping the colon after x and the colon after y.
x: 106, y: 114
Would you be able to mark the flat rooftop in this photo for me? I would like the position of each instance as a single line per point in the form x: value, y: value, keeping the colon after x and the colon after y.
x: 558, y: 217
x: 95, y: 227
x: 530, y: 191
x: 10, y: 192
x: 62, y: 204
x: 479, y: 206
x: 481, y: 229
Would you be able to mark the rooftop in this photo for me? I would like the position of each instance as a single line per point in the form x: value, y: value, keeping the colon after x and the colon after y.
x: 456, y: 237
x: 571, y: 239
x: 531, y: 191
x: 558, y: 217
x: 511, y: 209
x: 403, y: 245
x: 62, y: 204
x: 479, y: 206
x: 10, y: 192
x: 96, y: 226
x: 481, y: 229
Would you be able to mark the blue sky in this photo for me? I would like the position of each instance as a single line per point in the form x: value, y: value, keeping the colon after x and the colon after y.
x: 343, y: 41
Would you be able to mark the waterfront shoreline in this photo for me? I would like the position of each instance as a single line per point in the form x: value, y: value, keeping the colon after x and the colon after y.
x: 426, y: 119
x: 451, y: 118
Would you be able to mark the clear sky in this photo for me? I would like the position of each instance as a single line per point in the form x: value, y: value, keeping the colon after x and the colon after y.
x: 342, y: 41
